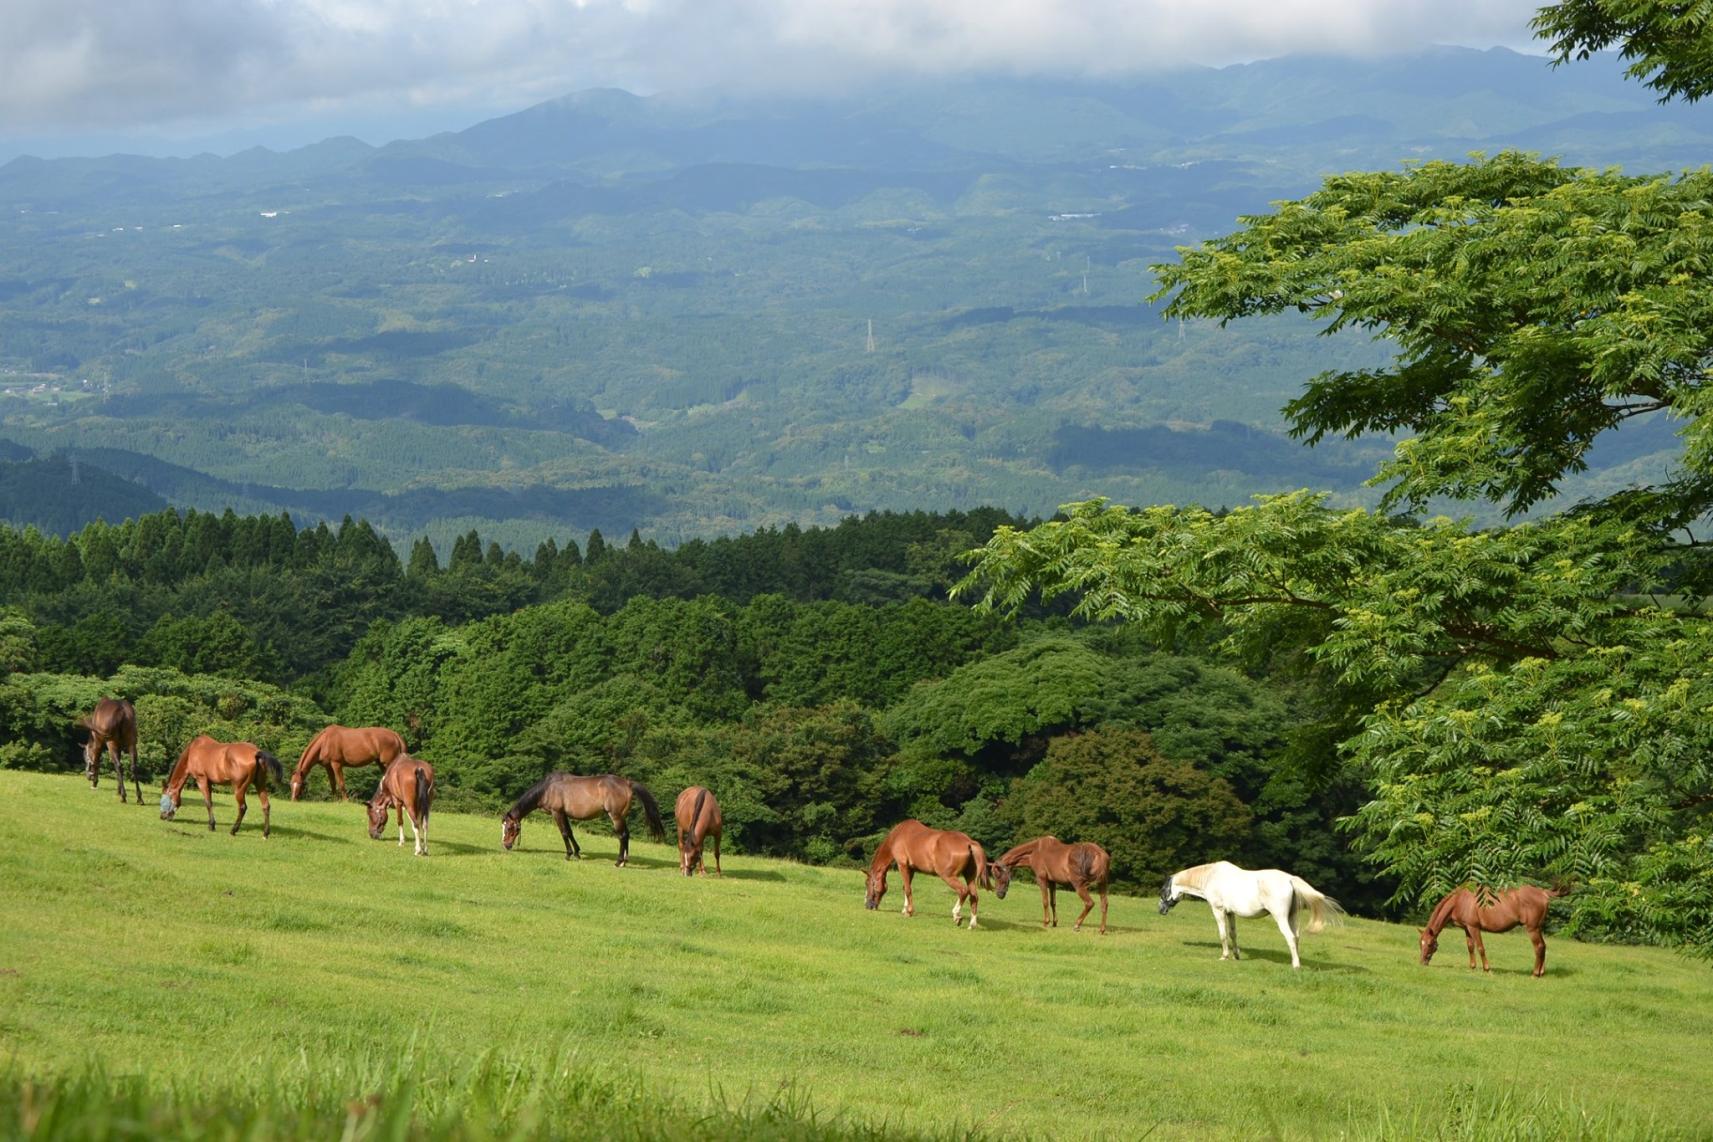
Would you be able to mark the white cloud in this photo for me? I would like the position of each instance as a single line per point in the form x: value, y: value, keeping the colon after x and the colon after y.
x: 98, y: 63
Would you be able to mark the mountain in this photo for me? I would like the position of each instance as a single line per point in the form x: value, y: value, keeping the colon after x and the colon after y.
x: 611, y: 310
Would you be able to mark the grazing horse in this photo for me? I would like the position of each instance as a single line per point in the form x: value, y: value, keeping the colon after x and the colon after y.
x: 339, y: 746
x: 112, y: 725
x: 408, y: 786
x: 698, y: 819
x: 1054, y: 863
x: 1232, y: 892
x: 1525, y: 905
x: 914, y: 847
x: 572, y: 798
x: 238, y: 764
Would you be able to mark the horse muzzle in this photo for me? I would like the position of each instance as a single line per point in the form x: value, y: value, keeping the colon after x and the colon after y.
x: 167, y: 807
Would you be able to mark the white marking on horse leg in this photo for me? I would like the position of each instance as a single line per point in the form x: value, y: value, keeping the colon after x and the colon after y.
x: 958, y: 911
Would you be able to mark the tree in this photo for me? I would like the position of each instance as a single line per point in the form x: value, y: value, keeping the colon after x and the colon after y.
x: 1525, y: 702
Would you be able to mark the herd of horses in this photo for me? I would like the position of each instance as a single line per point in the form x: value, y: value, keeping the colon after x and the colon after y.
x: 407, y: 788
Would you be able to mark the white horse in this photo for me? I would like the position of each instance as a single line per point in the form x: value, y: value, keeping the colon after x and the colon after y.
x: 1232, y: 892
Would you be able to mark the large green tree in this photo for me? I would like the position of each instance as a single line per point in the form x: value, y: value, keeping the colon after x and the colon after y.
x: 1526, y: 702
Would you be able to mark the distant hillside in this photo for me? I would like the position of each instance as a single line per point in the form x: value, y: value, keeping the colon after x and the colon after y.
x: 616, y: 311
x: 60, y: 495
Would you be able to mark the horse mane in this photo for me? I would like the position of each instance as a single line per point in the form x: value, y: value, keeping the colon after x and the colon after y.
x: 1195, y: 876
x: 1017, y: 854
x: 1442, y: 912
x: 531, y: 797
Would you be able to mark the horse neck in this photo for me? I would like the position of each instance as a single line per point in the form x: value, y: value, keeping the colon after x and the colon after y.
x: 882, y: 859
x: 1442, y: 914
x: 180, y: 773
x: 1023, y: 854
x: 530, y: 801
x: 1193, y: 881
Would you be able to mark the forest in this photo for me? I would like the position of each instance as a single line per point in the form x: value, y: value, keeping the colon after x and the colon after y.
x: 819, y: 679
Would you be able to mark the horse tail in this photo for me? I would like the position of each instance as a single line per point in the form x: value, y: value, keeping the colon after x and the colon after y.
x: 983, y: 875
x: 423, y: 793
x: 696, y: 817
x: 650, y: 810
x: 1323, y: 909
x: 1561, y: 888
x: 263, y: 757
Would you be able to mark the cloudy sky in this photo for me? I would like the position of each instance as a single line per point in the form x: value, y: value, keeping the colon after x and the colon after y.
x: 160, y: 70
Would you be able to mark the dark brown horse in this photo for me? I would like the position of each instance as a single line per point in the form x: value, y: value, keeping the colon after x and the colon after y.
x: 914, y: 847
x: 112, y: 725
x: 408, y: 786
x: 698, y: 819
x: 337, y: 747
x: 572, y: 798
x: 210, y: 762
x: 1054, y: 863
x: 1503, y: 911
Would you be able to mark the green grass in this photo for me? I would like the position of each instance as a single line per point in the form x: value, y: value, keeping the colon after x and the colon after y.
x: 156, y: 978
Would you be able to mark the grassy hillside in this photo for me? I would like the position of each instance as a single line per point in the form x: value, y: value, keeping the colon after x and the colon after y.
x: 492, y: 993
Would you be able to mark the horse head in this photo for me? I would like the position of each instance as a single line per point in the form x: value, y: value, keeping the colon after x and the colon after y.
x: 510, y: 828
x: 1430, y: 944
x: 999, y: 878
x: 876, y: 889
x: 377, y: 810
x: 1169, y: 896
x: 297, y: 786
x: 169, y: 804
x: 687, y: 852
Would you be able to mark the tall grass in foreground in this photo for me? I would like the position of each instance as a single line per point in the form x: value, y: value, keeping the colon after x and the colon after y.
x: 496, y: 1098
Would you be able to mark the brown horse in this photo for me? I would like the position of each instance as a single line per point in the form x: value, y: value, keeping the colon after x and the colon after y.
x: 914, y: 847
x: 408, y: 786
x: 339, y: 746
x: 698, y: 819
x: 238, y: 764
x: 1525, y: 905
x: 112, y: 725
x: 572, y: 798
x: 1054, y: 863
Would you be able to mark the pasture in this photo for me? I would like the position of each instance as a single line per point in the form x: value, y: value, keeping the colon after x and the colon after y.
x: 159, y: 978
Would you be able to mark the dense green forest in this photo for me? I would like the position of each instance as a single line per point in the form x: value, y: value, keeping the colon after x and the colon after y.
x: 817, y: 678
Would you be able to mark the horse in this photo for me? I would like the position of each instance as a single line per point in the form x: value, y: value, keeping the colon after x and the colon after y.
x: 238, y: 764
x: 914, y: 847
x: 1232, y: 892
x: 1054, y: 863
x: 113, y: 725
x: 570, y: 797
x: 1525, y: 905
x: 339, y: 746
x: 699, y: 818
x: 408, y: 786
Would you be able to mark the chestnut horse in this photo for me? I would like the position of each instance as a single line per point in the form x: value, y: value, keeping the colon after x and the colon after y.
x: 1054, y: 863
x: 238, y: 764
x: 408, y: 786
x: 698, y: 819
x: 112, y: 725
x: 339, y: 746
x: 914, y: 847
x: 572, y: 798
x: 1525, y: 905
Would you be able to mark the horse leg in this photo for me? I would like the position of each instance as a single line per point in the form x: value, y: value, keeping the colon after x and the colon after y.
x: 399, y: 818
x: 202, y: 783
x: 119, y: 770
x: 564, y: 823
x: 1053, y: 895
x: 624, y: 840
x: 419, y: 837
x: 134, y: 780
x: 243, y: 806
x: 1287, y: 922
x: 1231, y: 922
x: 965, y: 892
x: 904, y: 875
x: 1088, y: 904
x: 717, y: 871
x: 1540, y: 951
x: 1224, y: 940
x: 1103, y: 907
x: 267, y: 811
x: 1046, y: 891
x: 1475, y: 934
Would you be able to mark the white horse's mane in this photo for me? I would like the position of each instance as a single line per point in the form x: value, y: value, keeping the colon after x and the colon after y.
x: 1196, y: 876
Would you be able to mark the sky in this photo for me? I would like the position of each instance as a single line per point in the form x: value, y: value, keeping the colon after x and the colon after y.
x: 175, y: 76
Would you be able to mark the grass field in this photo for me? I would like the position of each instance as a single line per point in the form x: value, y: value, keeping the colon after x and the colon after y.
x: 157, y: 978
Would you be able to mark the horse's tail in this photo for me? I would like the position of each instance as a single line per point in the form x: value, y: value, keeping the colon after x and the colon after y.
x: 1561, y: 888
x: 424, y: 793
x: 1323, y: 909
x: 1091, y: 863
x: 650, y: 810
x: 983, y: 876
x: 696, y: 818
x: 263, y: 757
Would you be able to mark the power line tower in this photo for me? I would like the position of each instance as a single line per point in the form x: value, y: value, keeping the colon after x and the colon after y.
x: 870, y: 348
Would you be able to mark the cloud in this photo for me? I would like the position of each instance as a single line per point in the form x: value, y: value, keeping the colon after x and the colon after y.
x: 98, y: 63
